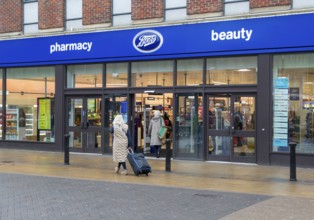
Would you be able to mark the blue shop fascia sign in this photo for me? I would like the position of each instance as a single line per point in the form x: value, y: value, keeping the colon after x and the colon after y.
x: 287, y: 33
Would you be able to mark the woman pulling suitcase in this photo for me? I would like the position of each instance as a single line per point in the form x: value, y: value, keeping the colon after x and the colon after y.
x: 121, y: 143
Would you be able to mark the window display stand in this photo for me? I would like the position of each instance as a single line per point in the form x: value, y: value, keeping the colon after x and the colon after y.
x: 12, y: 128
x: 29, y: 124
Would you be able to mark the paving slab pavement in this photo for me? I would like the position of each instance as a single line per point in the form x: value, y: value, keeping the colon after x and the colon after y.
x: 281, y: 207
x: 282, y: 199
x: 37, y: 197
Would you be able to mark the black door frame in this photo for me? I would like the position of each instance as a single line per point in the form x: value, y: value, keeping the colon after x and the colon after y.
x: 199, y: 152
x: 108, y: 117
x: 231, y: 132
x: 131, y: 97
x: 85, y: 126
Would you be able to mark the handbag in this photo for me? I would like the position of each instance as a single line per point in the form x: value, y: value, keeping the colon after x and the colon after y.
x: 162, y: 131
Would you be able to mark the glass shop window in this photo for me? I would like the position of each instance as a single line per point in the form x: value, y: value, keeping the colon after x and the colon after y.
x: 152, y: 73
x: 30, y: 105
x: 84, y: 76
x: 293, y: 102
x: 233, y: 70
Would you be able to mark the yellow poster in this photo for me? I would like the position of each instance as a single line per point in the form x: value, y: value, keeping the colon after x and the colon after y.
x: 44, y: 118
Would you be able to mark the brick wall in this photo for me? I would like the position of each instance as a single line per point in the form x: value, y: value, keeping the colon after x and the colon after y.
x: 147, y: 9
x: 10, y: 16
x: 50, y: 14
x: 268, y: 3
x: 97, y: 11
x: 203, y: 6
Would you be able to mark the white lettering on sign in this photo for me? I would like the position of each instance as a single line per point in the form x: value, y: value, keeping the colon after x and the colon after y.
x: 146, y: 40
x: 232, y: 35
x: 56, y: 47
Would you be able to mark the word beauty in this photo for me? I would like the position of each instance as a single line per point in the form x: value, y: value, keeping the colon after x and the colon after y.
x: 56, y: 47
x: 232, y: 35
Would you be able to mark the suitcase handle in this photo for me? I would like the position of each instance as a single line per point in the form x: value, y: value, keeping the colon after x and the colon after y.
x: 130, y: 150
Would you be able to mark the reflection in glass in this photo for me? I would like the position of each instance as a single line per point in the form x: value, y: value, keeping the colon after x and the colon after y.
x: 75, y: 140
x: 219, y: 145
x: 84, y: 76
x: 234, y: 70
x: 93, y: 140
x: 75, y: 114
x: 244, y: 113
x: 298, y: 69
x: 246, y: 148
x: 190, y: 72
x: 116, y: 75
x: 227, y: 130
x: 152, y: 73
x: 24, y: 87
x: 189, y: 133
x: 219, y: 113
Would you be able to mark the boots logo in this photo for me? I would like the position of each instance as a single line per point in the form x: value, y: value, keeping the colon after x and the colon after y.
x: 147, y: 41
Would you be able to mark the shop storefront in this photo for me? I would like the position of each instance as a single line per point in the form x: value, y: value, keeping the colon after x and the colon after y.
x: 237, y: 90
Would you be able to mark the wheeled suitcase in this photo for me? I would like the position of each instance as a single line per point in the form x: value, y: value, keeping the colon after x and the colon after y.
x: 138, y: 163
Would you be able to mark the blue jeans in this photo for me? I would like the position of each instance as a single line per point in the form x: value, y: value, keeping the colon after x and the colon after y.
x: 157, y: 150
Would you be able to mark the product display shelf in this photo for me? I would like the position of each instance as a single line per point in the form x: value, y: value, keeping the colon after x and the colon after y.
x: 29, y: 131
x: 12, y: 116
